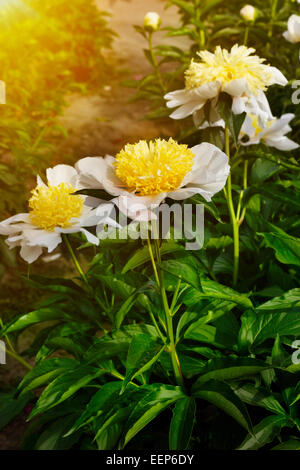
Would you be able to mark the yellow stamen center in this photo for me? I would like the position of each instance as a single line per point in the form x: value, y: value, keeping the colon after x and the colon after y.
x: 225, y: 66
x: 155, y: 167
x: 54, y: 206
x: 255, y: 124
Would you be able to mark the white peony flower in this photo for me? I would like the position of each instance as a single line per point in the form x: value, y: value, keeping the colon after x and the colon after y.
x: 293, y: 32
x: 237, y: 73
x: 248, y: 12
x: 271, y: 132
x: 152, y: 21
x: 54, y: 210
x: 141, y: 176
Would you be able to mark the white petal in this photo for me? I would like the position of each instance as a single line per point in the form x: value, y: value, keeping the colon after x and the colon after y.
x: 90, y: 237
x: 30, y: 253
x: 283, y: 143
x: 91, y: 172
x: 42, y: 238
x: 236, y: 87
x: 187, y: 109
x: 14, y: 224
x: 139, y: 207
x: 278, y: 77
x: 62, y: 174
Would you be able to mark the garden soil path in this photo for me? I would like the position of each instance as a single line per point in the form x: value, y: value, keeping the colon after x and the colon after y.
x: 105, y: 122
x: 101, y: 124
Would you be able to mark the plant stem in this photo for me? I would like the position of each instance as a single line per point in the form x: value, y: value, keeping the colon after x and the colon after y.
x: 7, y: 338
x: 234, y: 221
x: 19, y: 359
x: 273, y: 17
x: 155, y: 64
x: 74, y: 258
x: 240, y: 217
x: 153, y: 261
x: 169, y: 320
x: 246, y: 36
x: 169, y: 324
x: 84, y: 278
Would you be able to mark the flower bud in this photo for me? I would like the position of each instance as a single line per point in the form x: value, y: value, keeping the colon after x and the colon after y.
x: 248, y: 12
x: 152, y: 21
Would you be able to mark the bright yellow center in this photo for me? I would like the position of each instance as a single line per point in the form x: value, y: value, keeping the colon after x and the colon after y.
x: 54, y: 206
x: 155, y: 167
x: 255, y: 124
x: 226, y: 66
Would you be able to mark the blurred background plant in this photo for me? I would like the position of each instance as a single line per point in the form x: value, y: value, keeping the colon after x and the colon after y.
x: 49, y: 49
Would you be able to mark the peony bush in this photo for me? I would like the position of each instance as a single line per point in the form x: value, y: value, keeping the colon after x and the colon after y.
x: 159, y: 343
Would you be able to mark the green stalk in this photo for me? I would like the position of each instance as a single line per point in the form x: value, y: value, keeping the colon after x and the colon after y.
x: 240, y: 217
x: 246, y: 36
x: 84, y: 278
x: 74, y: 258
x: 273, y: 17
x: 155, y: 64
x: 169, y: 324
x: 233, y: 218
x: 19, y: 359
x: 170, y: 331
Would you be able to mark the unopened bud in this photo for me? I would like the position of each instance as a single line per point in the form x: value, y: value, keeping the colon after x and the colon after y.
x: 248, y: 12
x: 152, y: 21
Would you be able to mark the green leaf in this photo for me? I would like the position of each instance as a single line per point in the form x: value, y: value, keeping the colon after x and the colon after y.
x: 52, y: 438
x: 287, y: 248
x: 262, y: 170
x: 222, y: 396
x: 258, y: 326
x: 233, y: 121
x: 37, y: 316
x: 230, y: 368
x: 97, y: 193
x: 264, y: 432
x: 102, y: 401
x: 285, y: 301
x: 291, y: 444
x: 142, y: 256
x: 143, y: 352
x: 182, y: 424
x: 185, y: 6
x: 64, y: 387
x: 158, y: 399
x: 103, y: 436
x: 255, y: 396
x: 206, y: 287
x: 46, y: 371
x: 210, y: 335
x: 117, y: 343
x: 10, y: 407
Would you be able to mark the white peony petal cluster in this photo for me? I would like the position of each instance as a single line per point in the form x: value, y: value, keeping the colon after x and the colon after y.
x: 139, y: 179
x: 237, y: 72
x: 55, y: 210
x: 271, y: 132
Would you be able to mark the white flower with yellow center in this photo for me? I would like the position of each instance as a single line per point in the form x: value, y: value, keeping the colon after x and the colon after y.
x: 237, y: 72
x: 271, y: 132
x: 54, y: 209
x: 142, y: 175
